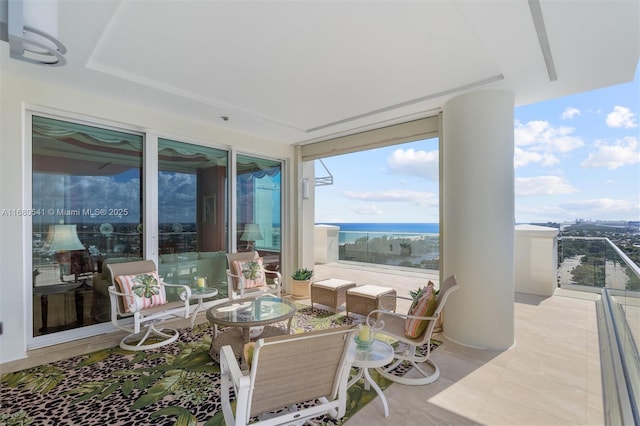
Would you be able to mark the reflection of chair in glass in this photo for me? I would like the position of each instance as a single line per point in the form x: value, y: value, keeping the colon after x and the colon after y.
x: 395, y: 325
x: 275, y: 382
x: 137, y: 291
x: 247, y: 276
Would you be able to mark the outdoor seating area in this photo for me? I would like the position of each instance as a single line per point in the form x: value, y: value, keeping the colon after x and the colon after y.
x: 474, y: 386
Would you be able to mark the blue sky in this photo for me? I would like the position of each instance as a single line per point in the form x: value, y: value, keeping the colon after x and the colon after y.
x: 576, y: 157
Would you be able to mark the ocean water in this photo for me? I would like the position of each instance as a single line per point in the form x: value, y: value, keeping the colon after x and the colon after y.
x: 388, y: 228
x: 350, y: 232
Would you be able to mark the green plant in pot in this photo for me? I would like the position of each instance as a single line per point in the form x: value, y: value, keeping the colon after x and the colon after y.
x: 301, y: 283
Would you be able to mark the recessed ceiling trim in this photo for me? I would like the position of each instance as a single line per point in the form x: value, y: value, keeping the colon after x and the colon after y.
x: 185, y: 94
x: 543, y: 39
x: 447, y: 92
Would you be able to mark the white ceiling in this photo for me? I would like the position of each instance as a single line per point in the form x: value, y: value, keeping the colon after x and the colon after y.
x: 301, y: 71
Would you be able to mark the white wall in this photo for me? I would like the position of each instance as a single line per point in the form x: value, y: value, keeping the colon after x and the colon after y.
x: 536, y: 259
x: 18, y: 94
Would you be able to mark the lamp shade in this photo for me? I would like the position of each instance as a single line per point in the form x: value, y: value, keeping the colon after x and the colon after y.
x: 251, y: 232
x: 63, y: 238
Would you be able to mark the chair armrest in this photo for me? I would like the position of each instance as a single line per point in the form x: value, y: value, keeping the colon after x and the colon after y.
x: 186, y: 290
x: 390, y: 307
x: 229, y: 365
x: 277, y: 278
x: 381, y: 313
x: 229, y: 274
x: 114, y: 296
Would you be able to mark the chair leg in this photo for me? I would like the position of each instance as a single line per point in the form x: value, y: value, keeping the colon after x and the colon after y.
x: 137, y: 342
x: 425, y: 378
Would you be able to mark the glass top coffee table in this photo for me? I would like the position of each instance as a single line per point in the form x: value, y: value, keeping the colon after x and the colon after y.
x: 248, y: 319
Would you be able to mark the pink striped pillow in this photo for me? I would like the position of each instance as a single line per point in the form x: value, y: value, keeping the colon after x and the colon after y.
x: 424, y: 306
x: 240, y: 268
x: 145, y: 289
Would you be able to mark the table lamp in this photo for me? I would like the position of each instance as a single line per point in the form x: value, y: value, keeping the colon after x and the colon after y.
x: 250, y: 235
x: 61, y: 239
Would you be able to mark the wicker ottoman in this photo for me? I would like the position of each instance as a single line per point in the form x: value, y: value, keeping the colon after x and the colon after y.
x: 330, y: 292
x: 366, y: 298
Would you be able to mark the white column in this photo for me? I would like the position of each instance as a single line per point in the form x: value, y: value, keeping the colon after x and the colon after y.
x: 477, y: 225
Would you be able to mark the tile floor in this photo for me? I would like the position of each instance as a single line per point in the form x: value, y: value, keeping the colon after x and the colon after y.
x: 551, y: 376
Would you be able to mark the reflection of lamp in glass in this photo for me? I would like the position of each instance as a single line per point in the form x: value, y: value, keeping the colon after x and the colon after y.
x: 61, y: 239
x: 250, y: 235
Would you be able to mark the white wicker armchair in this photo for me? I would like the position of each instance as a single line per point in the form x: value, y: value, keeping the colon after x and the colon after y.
x: 393, y: 325
x: 275, y: 382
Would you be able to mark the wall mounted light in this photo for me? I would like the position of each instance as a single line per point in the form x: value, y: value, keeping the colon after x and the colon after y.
x: 31, y: 28
x: 305, y: 188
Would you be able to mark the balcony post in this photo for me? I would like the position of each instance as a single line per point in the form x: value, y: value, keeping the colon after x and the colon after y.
x: 477, y: 223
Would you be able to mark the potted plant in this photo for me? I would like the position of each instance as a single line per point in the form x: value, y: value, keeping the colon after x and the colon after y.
x: 301, y: 283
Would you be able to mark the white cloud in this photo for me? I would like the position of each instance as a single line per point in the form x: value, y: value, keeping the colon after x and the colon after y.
x: 623, y: 152
x: 410, y: 162
x: 417, y: 197
x: 621, y: 117
x: 538, y: 142
x: 570, y: 112
x: 368, y: 210
x: 543, y: 185
x: 522, y: 158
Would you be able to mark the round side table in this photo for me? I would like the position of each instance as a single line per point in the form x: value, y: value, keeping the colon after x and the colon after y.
x: 200, y: 294
x: 381, y: 354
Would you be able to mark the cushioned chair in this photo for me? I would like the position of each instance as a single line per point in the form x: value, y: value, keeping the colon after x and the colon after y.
x: 395, y: 325
x: 240, y: 284
x: 137, y: 291
x: 286, y: 371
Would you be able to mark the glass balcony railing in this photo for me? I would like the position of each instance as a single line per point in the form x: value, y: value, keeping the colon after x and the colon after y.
x: 384, y: 248
x: 597, y: 263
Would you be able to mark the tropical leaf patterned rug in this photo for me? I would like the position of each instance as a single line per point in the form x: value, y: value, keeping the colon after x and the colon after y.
x: 177, y: 384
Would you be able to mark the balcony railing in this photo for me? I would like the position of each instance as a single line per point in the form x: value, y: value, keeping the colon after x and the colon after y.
x: 384, y: 248
x: 597, y: 263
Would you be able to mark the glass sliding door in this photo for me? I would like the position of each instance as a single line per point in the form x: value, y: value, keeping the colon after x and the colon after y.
x: 258, y: 207
x: 192, y: 219
x: 87, y: 210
